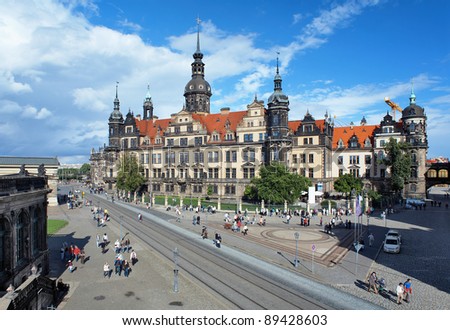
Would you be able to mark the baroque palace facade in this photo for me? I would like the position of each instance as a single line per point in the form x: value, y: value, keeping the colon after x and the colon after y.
x: 195, y: 152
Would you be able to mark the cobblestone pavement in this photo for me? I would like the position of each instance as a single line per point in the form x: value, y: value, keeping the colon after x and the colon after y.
x: 424, y: 259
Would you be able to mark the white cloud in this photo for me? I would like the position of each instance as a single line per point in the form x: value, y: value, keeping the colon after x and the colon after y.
x: 8, y: 84
x: 315, y: 33
x: 296, y: 18
x: 89, y: 98
x: 32, y: 112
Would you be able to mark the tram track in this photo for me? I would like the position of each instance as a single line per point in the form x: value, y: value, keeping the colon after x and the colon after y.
x: 228, y: 279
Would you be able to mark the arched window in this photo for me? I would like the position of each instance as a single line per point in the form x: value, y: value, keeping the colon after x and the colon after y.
x: 431, y: 173
x: 36, y: 231
x: 443, y: 174
x: 22, y: 239
x: 3, y: 244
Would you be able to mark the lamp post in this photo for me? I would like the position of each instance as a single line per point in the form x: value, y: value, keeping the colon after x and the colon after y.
x: 175, y: 270
x: 296, y: 236
x: 120, y: 222
x: 353, y: 196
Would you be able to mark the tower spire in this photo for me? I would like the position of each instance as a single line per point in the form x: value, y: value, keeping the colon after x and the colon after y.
x: 412, y: 98
x: 198, y: 35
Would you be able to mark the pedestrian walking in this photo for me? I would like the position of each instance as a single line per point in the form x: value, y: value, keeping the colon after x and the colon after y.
x: 400, y: 291
x: 106, y: 270
x: 82, y: 256
x: 97, y: 240
x: 245, y: 230
x: 373, y: 282
x: 118, y: 266
x: 70, y: 266
x: 126, y: 268
x: 407, y: 287
x: 371, y: 239
x: 105, y: 239
x: 133, y: 257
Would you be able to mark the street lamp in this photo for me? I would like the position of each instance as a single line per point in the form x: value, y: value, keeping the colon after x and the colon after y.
x: 175, y: 270
x: 296, y: 236
x: 121, y: 219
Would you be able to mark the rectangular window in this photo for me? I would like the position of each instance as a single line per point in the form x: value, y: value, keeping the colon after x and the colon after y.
x: 354, y: 159
x: 302, y: 158
x: 213, y: 156
x: 249, y: 155
x: 294, y: 159
x: 156, y: 158
x: 198, y: 157
x: 231, y: 156
x: 230, y: 190
x: 382, y: 173
x: 340, y: 160
x: 248, y: 137
x: 170, y: 142
x: 183, y: 142
x: 184, y: 157
x: 368, y: 159
x: 198, y: 140
x: 341, y: 172
x: 169, y: 158
x: 354, y: 172
x: 311, y: 158
x: 311, y: 173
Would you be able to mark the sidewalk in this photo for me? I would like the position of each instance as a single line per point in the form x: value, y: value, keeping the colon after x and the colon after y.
x: 149, y: 286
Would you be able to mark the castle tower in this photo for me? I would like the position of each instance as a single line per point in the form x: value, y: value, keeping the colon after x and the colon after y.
x: 148, y: 105
x: 278, y: 143
x: 197, y: 92
x: 414, y: 130
x: 115, y: 123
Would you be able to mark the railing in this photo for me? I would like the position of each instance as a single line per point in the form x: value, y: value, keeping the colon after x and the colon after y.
x: 13, y: 185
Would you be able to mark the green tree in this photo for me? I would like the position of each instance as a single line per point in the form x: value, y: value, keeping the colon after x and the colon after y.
x: 398, y: 160
x: 128, y: 177
x: 85, y: 169
x: 276, y: 184
x: 346, y: 183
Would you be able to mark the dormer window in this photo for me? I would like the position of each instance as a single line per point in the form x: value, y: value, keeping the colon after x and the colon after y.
x: 367, y: 143
x: 307, y: 128
x: 388, y: 129
x: 129, y: 129
x: 354, y: 142
x: 340, y: 143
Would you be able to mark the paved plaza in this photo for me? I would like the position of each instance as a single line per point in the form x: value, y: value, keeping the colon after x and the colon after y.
x: 326, y: 258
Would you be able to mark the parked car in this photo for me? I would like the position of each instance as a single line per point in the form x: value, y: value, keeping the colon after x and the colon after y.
x: 391, y: 244
x: 395, y: 233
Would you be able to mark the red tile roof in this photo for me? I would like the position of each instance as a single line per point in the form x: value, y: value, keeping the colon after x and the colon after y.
x: 346, y: 132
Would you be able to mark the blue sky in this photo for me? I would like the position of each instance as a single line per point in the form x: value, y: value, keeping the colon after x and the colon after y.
x: 60, y: 61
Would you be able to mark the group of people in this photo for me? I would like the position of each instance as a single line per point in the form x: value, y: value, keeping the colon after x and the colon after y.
x: 70, y: 254
x: 403, y: 290
x: 121, y: 264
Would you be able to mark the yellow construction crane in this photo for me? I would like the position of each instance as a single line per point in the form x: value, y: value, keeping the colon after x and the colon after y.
x: 394, y: 106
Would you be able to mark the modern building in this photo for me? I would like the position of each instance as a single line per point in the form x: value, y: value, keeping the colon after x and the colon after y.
x: 197, y: 152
